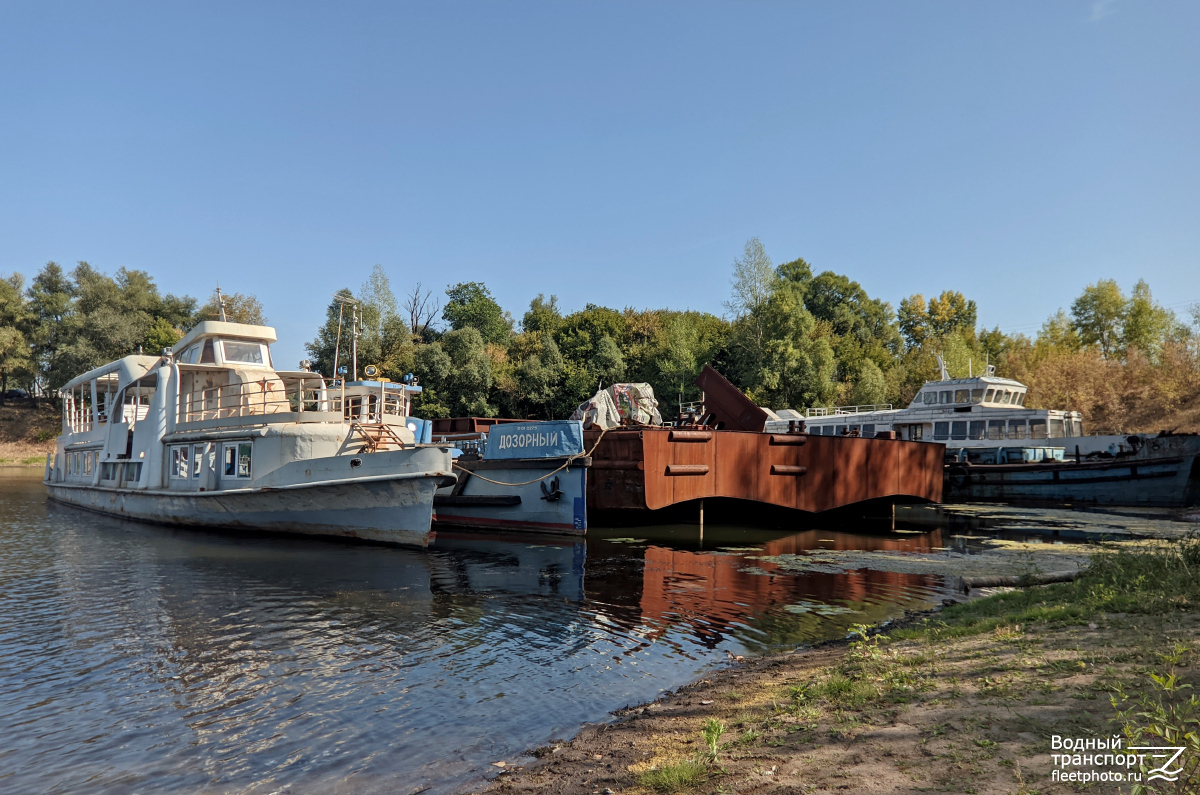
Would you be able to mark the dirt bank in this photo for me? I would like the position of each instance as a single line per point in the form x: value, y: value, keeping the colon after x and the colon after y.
x: 27, y: 431
x: 967, y: 700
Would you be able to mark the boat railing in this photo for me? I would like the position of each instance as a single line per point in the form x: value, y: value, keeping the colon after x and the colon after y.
x: 835, y: 411
x: 265, y: 400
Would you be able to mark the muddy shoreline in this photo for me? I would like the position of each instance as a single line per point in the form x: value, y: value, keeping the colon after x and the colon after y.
x: 966, y: 714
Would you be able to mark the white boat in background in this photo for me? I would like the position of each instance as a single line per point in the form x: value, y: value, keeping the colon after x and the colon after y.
x: 210, y: 434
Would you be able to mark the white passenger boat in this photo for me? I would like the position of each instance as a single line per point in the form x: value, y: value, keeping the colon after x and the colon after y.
x: 984, y: 411
x: 210, y: 434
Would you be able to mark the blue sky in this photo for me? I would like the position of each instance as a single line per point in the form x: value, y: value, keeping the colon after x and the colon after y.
x: 613, y: 153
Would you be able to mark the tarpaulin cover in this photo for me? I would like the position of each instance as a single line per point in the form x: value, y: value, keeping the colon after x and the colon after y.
x: 551, y: 439
x: 598, y: 411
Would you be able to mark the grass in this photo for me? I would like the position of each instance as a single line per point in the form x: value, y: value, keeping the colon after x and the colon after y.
x: 1151, y: 579
x: 23, y: 460
x: 675, y: 777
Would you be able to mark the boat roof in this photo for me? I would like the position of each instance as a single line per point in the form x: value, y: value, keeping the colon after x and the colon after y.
x: 128, y: 370
x: 979, y: 379
x: 386, y: 384
x: 217, y: 328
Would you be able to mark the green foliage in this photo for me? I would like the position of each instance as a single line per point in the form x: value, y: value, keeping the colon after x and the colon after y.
x: 239, y: 308
x: 712, y: 733
x: 675, y: 777
x: 1099, y: 314
x: 470, y: 305
x: 457, y: 374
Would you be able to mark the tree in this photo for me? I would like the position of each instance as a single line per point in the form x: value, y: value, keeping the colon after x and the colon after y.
x: 16, y: 362
x: 337, y: 327
x: 952, y: 313
x: 539, y: 375
x: 871, y: 387
x: 239, y: 308
x: 470, y: 305
x: 1147, y: 324
x: 542, y: 315
x: 779, y: 361
x: 797, y: 271
x: 754, y: 279
x: 1059, y: 334
x: 457, y: 374
x: 51, y: 296
x: 1099, y: 316
x: 420, y: 307
x: 948, y: 313
x: 914, y: 320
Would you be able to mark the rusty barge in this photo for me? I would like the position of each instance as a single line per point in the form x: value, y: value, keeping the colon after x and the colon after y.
x: 651, y: 469
x: 724, y: 455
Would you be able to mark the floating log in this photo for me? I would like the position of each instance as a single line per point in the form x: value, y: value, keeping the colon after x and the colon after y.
x: 1019, y: 581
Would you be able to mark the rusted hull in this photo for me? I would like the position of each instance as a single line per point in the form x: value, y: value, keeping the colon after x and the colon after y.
x: 651, y: 469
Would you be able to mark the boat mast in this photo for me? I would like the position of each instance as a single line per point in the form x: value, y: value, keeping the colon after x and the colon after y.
x: 354, y: 345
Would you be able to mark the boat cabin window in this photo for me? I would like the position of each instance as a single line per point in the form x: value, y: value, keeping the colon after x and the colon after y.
x: 958, y: 430
x: 916, y: 432
x: 976, y: 394
x: 237, y: 458
x: 962, y: 396
x: 930, y: 398
x: 868, y: 431
x: 995, y: 429
x: 207, y: 356
x: 941, y: 431
x: 1006, y: 397
x: 1056, y: 429
x: 180, y: 466
x: 1019, y: 399
x: 190, y: 355
x: 977, y: 429
x: 1016, y: 429
x: 1037, y: 429
x: 946, y: 396
x: 243, y: 352
x: 988, y: 397
x: 108, y: 471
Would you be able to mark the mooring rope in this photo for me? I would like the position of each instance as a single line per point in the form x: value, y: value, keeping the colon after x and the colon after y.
x: 570, y: 459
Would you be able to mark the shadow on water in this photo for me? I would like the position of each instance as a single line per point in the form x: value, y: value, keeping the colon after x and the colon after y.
x: 138, y: 657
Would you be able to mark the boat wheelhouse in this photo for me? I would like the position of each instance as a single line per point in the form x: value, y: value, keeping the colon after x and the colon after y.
x: 211, y: 434
x: 983, y: 411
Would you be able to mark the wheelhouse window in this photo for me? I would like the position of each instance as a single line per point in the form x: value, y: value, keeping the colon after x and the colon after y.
x: 946, y: 396
x: 962, y: 396
x: 1019, y: 399
x: 930, y: 398
x: 237, y: 460
x: 991, y: 393
x: 243, y: 352
x: 976, y: 395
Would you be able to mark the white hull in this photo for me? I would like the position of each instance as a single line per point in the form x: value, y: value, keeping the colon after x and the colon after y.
x: 393, y: 510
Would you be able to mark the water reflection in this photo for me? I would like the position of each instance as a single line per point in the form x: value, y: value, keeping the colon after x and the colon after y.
x: 135, y: 657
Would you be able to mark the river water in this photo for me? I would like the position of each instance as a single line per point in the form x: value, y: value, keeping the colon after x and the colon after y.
x: 138, y: 658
